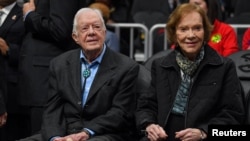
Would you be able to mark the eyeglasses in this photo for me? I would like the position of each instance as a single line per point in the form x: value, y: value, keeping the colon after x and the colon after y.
x: 88, y: 28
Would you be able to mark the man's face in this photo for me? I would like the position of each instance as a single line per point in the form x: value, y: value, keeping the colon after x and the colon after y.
x: 90, y: 32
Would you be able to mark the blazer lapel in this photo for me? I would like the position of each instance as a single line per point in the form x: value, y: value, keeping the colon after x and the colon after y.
x: 105, y: 72
x: 12, y: 17
x: 74, y: 68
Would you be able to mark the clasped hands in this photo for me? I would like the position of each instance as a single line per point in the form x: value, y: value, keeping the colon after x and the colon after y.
x: 82, y: 136
x: 157, y: 133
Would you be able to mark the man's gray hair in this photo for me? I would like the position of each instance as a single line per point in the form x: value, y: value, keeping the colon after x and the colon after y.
x: 83, y: 10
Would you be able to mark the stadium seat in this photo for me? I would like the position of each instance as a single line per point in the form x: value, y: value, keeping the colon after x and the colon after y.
x: 242, y: 61
x: 248, y: 108
x: 149, y: 61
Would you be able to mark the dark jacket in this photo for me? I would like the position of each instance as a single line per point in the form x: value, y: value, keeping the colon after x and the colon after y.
x: 215, y: 96
x: 12, y: 31
x: 111, y: 101
x: 49, y: 35
x: 2, y: 87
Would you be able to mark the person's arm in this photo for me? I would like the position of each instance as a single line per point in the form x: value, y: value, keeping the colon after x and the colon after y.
x: 57, y: 26
x: 28, y: 7
x: 53, y: 125
x: 230, y: 42
x: 146, y: 113
x: 231, y: 106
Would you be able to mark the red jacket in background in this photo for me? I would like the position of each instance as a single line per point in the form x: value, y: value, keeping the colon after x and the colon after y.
x: 223, y: 39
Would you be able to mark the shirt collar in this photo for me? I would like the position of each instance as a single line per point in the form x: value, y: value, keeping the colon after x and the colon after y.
x: 98, y: 59
x: 8, y: 8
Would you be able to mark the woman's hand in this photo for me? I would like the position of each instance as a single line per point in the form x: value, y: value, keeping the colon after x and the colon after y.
x: 191, y: 134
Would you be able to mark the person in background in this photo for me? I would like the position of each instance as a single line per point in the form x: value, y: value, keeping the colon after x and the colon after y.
x: 112, y: 39
x: 12, y: 32
x: 246, y: 40
x: 119, y: 13
x: 92, y: 88
x: 174, y: 3
x: 119, y: 10
x: 240, y: 17
x: 223, y: 37
x: 192, y: 87
x: 49, y: 26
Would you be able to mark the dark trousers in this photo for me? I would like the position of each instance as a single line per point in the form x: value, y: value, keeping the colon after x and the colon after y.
x: 109, y: 137
x: 36, y: 114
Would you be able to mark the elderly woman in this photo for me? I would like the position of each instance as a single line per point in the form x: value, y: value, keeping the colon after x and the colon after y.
x: 192, y: 87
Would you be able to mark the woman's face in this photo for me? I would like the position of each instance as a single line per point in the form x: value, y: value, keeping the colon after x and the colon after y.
x: 190, y: 34
x: 200, y: 3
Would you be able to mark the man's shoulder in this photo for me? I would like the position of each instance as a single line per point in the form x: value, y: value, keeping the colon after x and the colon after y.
x: 122, y: 58
x: 67, y: 55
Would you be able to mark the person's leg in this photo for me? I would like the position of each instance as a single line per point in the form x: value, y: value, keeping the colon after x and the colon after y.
x: 36, y: 114
x: 111, y: 137
x: 36, y: 137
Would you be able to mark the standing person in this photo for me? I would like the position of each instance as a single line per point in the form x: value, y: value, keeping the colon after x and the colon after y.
x: 12, y: 32
x: 192, y: 87
x: 223, y: 37
x: 119, y: 10
x: 49, y: 26
x: 92, y: 88
x: 3, y: 111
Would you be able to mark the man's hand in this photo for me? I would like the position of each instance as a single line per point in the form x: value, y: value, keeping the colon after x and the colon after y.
x: 3, y: 119
x: 28, y: 6
x: 3, y: 47
x: 82, y: 136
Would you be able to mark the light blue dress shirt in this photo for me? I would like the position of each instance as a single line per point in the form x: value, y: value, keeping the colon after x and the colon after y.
x: 93, y: 66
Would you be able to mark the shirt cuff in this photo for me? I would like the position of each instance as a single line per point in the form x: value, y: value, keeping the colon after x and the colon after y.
x: 92, y: 133
x: 24, y: 17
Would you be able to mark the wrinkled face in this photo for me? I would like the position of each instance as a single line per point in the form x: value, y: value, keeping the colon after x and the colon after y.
x: 200, y: 3
x: 190, y: 34
x: 90, y: 32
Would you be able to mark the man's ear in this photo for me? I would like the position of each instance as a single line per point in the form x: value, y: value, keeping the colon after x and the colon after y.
x: 74, y: 36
